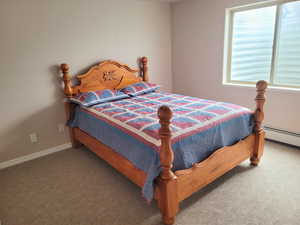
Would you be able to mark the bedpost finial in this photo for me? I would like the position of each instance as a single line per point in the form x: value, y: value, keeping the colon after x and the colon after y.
x: 164, y: 113
x: 144, y: 68
x: 64, y: 68
x: 67, y: 79
x: 261, y: 85
x: 144, y: 60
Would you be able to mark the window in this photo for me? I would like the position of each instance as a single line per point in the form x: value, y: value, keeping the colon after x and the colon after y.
x: 262, y: 42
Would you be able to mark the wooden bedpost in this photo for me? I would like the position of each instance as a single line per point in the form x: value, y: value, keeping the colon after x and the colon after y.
x: 167, y: 182
x: 67, y: 80
x: 144, y: 61
x: 69, y: 107
x: 258, y: 118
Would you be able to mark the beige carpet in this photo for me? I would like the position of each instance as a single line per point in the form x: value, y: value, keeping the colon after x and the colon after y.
x: 75, y: 187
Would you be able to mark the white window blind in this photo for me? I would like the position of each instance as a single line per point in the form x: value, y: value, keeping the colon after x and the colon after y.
x: 287, y: 62
x: 263, y: 43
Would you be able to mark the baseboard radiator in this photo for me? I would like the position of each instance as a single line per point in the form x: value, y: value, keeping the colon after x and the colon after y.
x: 282, y: 136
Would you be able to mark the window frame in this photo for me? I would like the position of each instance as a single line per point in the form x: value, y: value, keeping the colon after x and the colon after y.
x: 229, y: 38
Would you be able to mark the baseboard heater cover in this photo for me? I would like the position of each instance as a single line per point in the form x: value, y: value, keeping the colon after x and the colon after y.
x: 282, y: 136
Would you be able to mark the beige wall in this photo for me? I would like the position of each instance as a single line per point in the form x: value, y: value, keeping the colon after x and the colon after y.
x: 197, y: 62
x: 38, y: 35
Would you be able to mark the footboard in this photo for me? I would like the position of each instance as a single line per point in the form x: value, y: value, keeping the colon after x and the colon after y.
x: 217, y: 164
x: 175, y: 187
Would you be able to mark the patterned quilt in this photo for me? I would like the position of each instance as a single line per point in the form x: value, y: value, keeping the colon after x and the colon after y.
x: 138, y: 115
x: 130, y: 127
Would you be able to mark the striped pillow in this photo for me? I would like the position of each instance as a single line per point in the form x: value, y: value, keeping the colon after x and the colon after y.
x: 95, y: 97
x: 140, y: 88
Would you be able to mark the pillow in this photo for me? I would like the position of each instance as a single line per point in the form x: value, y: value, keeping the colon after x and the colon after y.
x: 140, y: 88
x: 95, y: 97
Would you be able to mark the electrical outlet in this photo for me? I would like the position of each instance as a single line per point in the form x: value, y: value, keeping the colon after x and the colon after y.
x: 33, y: 138
x: 61, y: 127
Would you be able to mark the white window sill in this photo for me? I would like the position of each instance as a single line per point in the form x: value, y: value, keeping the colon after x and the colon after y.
x: 275, y: 88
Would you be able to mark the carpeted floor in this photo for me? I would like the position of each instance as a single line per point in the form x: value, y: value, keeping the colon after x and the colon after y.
x: 75, y: 187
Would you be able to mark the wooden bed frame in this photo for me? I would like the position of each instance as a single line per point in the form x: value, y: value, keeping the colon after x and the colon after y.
x: 170, y: 187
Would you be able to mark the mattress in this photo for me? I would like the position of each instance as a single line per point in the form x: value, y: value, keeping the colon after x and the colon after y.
x: 130, y: 127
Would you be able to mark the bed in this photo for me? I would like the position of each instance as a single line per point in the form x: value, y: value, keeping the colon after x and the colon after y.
x: 170, y: 145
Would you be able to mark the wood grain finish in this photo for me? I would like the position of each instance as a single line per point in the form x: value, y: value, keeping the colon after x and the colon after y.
x: 67, y: 79
x: 109, y: 74
x: 170, y: 187
x: 166, y: 153
x: 260, y: 99
x: 144, y: 69
x: 218, y: 163
x: 167, y: 183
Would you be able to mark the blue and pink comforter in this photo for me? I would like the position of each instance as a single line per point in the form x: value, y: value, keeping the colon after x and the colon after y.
x: 130, y: 127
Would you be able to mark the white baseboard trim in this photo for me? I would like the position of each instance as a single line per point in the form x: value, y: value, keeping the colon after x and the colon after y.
x: 34, y: 155
x: 284, y: 137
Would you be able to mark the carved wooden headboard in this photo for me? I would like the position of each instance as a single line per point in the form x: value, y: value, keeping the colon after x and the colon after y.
x: 108, y: 74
